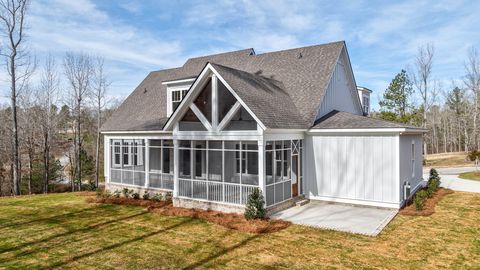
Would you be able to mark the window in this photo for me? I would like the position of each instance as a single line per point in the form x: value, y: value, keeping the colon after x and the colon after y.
x: 413, y: 158
x: 126, y: 151
x: 246, y: 160
x: 177, y: 97
x: 116, y: 153
x: 366, y: 104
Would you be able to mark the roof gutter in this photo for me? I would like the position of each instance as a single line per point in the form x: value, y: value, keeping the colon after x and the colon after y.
x: 136, y: 132
x: 368, y: 130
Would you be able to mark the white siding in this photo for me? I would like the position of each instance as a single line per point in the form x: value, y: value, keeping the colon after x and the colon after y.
x: 406, y: 161
x: 357, y: 168
x: 341, y: 93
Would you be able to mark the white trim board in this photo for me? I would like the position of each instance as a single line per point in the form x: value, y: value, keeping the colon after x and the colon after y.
x: 366, y: 130
x: 197, y: 86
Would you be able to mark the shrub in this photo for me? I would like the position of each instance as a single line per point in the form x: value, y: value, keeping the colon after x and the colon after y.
x: 88, y: 187
x: 473, y: 155
x: 433, y: 182
x: 106, y: 194
x: 146, y: 196
x: 116, y: 194
x: 136, y: 196
x: 127, y: 193
x: 255, y: 208
x: 99, y: 193
x: 157, y: 197
x: 168, y: 196
x: 420, y: 199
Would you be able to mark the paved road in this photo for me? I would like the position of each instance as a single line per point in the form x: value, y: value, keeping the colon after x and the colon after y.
x: 450, y: 179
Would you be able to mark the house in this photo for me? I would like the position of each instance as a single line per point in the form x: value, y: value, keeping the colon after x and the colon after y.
x: 290, y: 123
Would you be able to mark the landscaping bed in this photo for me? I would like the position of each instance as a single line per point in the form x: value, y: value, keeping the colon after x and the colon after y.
x: 430, y: 203
x: 227, y: 220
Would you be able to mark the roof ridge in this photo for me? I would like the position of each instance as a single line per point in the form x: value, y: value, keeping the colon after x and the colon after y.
x: 217, y: 54
x: 304, y: 47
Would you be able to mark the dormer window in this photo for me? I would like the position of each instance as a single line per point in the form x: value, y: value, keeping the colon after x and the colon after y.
x: 176, y: 91
x: 177, y: 96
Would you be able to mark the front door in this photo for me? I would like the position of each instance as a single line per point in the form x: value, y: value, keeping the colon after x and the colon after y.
x: 295, y: 175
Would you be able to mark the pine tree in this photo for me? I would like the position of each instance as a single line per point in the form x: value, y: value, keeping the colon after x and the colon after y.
x: 395, y: 105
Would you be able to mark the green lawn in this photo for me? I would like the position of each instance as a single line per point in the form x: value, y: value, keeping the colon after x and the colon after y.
x: 63, y: 231
x: 470, y: 176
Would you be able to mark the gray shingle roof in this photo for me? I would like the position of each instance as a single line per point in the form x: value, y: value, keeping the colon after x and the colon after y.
x: 304, y: 74
x: 345, y: 120
x: 266, y: 97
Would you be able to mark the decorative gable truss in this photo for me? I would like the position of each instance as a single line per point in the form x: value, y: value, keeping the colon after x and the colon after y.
x: 211, y: 105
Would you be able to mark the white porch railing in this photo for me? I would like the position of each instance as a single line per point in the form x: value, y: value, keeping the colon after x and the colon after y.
x: 215, y: 191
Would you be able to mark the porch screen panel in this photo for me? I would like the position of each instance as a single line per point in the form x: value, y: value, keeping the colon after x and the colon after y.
x: 278, y: 169
x: 221, y: 171
x: 225, y: 101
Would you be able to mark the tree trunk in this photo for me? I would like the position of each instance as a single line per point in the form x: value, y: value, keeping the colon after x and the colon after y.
x: 79, y: 145
x: 16, y: 159
x: 30, y: 166
x: 46, y: 162
x: 97, y: 153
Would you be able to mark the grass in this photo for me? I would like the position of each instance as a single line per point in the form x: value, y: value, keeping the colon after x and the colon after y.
x: 455, y: 159
x: 470, y: 175
x: 63, y: 231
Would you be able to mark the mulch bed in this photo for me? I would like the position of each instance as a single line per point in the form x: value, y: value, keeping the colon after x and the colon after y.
x: 124, y: 201
x: 429, y: 207
x: 227, y: 220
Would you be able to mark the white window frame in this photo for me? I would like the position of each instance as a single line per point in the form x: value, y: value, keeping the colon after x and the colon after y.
x: 128, y: 145
x: 117, y: 145
x: 182, y: 89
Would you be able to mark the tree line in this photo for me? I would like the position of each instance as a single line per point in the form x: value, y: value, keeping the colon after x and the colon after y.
x: 49, y: 133
x: 450, y: 113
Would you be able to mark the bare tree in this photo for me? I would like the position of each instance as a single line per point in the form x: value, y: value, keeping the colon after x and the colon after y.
x: 30, y: 131
x: 47, y: 98
x: 99, y: 91
x: 79, y: 72
x: 421, y: 79
x: 472, y: 83
x: 19, y: 67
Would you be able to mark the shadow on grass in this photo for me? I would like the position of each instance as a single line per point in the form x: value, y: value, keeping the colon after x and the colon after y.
x: 116, y: 245
x: 62, y: 216
x: 85, y: 229
x: 222, y: 252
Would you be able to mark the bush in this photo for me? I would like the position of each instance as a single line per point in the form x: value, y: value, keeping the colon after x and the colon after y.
x: 420, y: 199
x: 116, y: 194
x: 157, y: 197
x: 88, y: 187
x: 433, y: 182
x: 127, y: 193
x: 136, y: 196
x: 473, y: 155
x: 168, y: 196
x: 255, y: 208
x: 99, y: 193
x: 146, y: 196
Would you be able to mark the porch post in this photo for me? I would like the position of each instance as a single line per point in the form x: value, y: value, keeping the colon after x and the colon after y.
x: 175, y: 168
x: 261, y: 168
x: 146, y: 160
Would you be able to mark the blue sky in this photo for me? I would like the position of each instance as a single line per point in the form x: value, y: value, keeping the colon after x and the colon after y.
x: 136, y: 37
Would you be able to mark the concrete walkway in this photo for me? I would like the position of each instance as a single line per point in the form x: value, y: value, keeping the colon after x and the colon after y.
x: 340, y: 217
x: 449, y: 178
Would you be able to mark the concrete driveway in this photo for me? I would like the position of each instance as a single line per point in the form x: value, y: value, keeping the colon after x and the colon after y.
x: 340, y: 217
